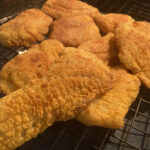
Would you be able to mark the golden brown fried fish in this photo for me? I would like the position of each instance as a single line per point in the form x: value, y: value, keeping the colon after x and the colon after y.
x: 67, y: 8
x: 133, y: 41
x: 25, y: 29
x: 110, y: 110
x: 72, y: 31
x: 30, y: 65
x: 29, y: 111
x: 75, y: 62
x: 109, y: 22
x: 104, y: 48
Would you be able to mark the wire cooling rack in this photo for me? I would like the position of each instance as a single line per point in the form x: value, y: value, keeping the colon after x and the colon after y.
x: 73, y: 135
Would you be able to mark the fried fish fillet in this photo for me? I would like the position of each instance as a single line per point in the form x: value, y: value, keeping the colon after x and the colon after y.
x: 72, y: 31
x: 67, y: 8
x: 29, y: 111
x: 75, y: 62
x: 109, y: 22
x: 24, y: 30
x: 133, y: 41
x: 30, y: 65
x: 110, y: 109
x: 104, y: 48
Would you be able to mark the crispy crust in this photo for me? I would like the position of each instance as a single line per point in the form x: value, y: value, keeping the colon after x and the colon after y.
x: 72, y: 31
x: 25, y: 29
x: 33, y: 64
x: 133, y: 41
x: 109, y: 22
x: 110, y: 109
x: 67, y: 8
x: 58, y: 96
x: 104, y: 48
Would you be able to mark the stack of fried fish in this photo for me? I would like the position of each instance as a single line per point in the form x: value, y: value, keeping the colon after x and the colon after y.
x: 86, y: 65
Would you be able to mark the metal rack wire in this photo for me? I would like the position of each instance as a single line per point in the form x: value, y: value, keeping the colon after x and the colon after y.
x: 73, y: 135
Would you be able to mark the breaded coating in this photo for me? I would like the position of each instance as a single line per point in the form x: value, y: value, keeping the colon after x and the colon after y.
x: 72, y: 31
x: 77, y: 62
x: 29, y: 111
x: 110, y: 109
x: 109, y: 22
x: 133, y: 41
x: 24, y: 30
x: 104, y: 48
x: 31, y: 65
x: 67, y: 8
